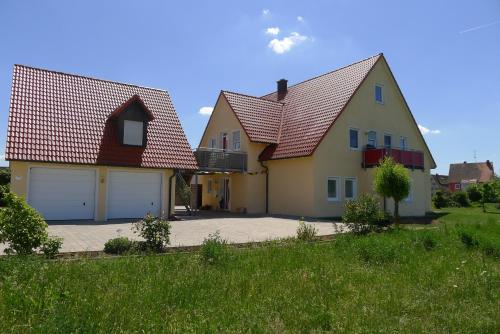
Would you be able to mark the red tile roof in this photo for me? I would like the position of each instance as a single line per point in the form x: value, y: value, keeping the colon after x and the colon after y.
x: 478, y: 171
x: 63, y: 118
x: 298, y: 123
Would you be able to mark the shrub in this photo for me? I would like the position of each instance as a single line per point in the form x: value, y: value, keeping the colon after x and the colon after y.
x: 474, y: 193
x: 214, y: 249
x: 155, y: 231
x: 4, y: 176
x: 460, y: 198
x: 426, y: 239
x: 306, y: 232
x: 21, y: 226
x: 118, y: 245
x: 50, y: 248
x: 4, y: 188
x: 363, y: 215
x: 441, y: 199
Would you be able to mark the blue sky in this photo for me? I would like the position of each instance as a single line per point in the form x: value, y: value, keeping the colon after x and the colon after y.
x: 445, y: 55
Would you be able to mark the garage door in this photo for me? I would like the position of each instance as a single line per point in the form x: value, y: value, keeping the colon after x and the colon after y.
x: 133, y: 194
x: 59, y: 193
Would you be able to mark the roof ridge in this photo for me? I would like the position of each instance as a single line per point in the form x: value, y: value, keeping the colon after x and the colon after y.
x: 332, y: 71
x: 255, y: 97
x: 87, y: 77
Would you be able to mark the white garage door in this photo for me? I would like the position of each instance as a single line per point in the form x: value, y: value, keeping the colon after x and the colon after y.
x: 133, y: 194
x: 59, y: 193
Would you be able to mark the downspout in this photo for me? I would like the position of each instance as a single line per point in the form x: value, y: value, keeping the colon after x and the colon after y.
x: 169, y: 210
x: 267, y: 185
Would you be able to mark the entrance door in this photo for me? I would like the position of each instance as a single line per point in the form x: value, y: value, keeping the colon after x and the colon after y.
x: 224, y: 194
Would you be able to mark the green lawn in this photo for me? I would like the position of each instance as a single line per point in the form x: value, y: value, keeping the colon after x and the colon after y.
x: 408, y: 281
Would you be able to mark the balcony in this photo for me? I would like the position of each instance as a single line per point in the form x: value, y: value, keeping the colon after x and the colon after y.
x: 408, y: 158
x: 218, y: 160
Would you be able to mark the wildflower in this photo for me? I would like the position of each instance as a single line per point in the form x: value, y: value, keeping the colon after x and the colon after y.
x: 455, y: 286
x: 483, y: 272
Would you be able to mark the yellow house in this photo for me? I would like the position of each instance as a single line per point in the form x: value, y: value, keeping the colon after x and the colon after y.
x: 85, y: 148
x: 306, y: 149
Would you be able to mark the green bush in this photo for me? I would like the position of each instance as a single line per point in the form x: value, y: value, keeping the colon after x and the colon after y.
x: 214, y: 249
x: 441, y: 199
x: 461, y: 199
x: 155, y: 231
x: 4, y: 176
x: 306, y: 232
x: 118, y: 245
x: 50, y: 248
x: 21, y: 226
x: 363, y: 215
x: 3, y: 190
x: 474, y: 193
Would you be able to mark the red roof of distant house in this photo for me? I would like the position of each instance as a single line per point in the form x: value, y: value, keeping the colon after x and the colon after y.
x: 63, y: 118
x: 475, y: 171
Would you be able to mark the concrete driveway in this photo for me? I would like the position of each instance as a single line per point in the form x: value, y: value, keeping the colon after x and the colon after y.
x: 91, y: 236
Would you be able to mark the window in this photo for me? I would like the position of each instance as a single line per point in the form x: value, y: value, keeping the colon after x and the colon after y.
x: 223, y: 140
x: 387, y: 141
x: 457, y: 186
x: 372, y: 139
x: 209, y: 186
x: 333, y: 188
x: 409, y: 198
x: 350, y: 188
x: 378, y: 94
x: 133, y: 133
x: 353, y: 139
x: 236, y: 140
x: 213, y: 143
x: 403, y: 143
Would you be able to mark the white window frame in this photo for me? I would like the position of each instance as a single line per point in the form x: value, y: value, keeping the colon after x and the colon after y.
x: 337, y: 189
x: 212, y: 143
x: 354, y: 187
x: 405, y: 147
x: 238, y: 148
x: 368, y: 138
x: 349, y: 138
x: 133, y: 133
x: 381, y: 93
x: 387, y: 134
x: 458, y: 186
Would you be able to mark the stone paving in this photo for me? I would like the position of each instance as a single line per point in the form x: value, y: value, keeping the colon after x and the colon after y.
x: 91, y: 236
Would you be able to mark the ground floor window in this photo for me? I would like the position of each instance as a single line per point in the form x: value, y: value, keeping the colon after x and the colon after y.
x: 350, y: 188
x: 333, y: 188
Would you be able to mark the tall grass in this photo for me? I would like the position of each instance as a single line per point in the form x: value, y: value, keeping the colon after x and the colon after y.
x: 402, y: 281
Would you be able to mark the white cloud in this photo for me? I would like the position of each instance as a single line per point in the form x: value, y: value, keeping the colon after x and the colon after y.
x: 266, y: 11
x: 300, y: 18
x: 426, y: 131
x: 206, y: 111
x: 273, y: 31
x: 284, y: 45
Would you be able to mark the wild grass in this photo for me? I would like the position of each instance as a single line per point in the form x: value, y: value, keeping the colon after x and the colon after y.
x: 405, y: 281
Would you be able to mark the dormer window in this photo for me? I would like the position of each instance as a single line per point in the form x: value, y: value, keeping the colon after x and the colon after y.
x: 133, y: 133
x: 132, y: 119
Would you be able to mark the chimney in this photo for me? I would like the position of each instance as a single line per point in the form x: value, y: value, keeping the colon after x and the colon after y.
x: 282, y: 88
x: 489, y: 164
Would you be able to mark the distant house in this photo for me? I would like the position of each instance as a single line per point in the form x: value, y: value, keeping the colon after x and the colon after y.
x: 85, y: 148
x: 462, y: 175
x: 438, y: 182
x: 307, y: 148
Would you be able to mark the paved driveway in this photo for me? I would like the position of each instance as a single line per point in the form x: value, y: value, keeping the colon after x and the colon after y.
x: 91, y: 236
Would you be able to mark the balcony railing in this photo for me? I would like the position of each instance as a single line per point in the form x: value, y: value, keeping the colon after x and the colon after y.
x: 408, y: 158
x: 218, y: 160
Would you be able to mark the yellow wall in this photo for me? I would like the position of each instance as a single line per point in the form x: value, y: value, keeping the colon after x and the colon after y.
x: 333, y: 157
x: 246, y: 189
x: 20, y: 176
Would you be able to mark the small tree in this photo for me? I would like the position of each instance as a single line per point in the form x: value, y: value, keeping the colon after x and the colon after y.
x: 488, y: 194
x: 474, y: 193
x: 392, y: 180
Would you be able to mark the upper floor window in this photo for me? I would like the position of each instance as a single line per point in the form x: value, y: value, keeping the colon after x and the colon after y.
x: 353, y: 139
x: 236, y: 140
x: 403, y: 143
x: 223, y: 140
x: 133, y: 133
x: 387, y: 141
x: 213, y: 143
x: 379, y: 97
x: 333, y: 188
x: 371, y: 139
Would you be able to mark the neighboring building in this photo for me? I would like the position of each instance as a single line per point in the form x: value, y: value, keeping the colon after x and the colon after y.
x: 84, y: 148
x: 307, y: 148
x: 462, y: 175
x: 438, y: 182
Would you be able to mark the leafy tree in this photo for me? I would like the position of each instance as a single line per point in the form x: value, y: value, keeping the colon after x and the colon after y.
x: 441, y: 199
x: 474, y: 193
x: 4, y: 176
x: 392, y: 180
x: 460, y: 199
x: 489, y: 194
